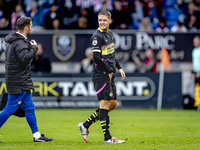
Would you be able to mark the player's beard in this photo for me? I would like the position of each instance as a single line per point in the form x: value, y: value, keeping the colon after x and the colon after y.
x: 28, y: 32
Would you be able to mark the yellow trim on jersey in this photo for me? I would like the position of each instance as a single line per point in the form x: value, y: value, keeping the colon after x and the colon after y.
x: 100, y: 30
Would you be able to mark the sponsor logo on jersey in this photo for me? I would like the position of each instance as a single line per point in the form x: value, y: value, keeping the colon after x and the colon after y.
x: 108, y: 49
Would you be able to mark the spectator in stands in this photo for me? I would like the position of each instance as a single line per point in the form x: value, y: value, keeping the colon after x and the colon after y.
x: 145, y: 24
x: 41, y: 4
x: 103, y: 5
x: 151, y: 10
x: 51, y: 15
x: 179, y: 27
x: 18, y: 13
x: 56, y: 24
x: 149, y: 65
x: 147, y: 4
x: 162, y: 27
x: 36, y: 16
x: 8, y: 7
x: 5, y: 24
x: 193, y: 24
x: 121, y: 17
x: 82, y: 23
x: 137, y: 13
x: 87, y: 63
x: 86, y: 13
x: 192, y: 10
x: 85, y: 4
x: 69, y: 14
x: 41, y: 62
x: 159, y: 8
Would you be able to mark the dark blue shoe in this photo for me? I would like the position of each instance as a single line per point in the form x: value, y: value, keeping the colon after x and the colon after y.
x: 42, y: 139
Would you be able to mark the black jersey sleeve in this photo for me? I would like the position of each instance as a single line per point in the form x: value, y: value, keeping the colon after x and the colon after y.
x: 96, y: 49
x: 96, y: 43
x: 100, y: 63
x: 118, y: 65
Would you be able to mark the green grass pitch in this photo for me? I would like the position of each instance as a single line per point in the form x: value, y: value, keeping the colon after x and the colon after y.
x: 142, y: 129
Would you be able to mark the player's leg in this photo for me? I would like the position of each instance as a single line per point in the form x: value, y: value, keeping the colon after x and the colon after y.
x: 113, y: 102
x: 104, y: 118
x: 105, y: 122
x: 11, y: 106
x: 92, y: 119
x: 112, y: 106
x: 83, y: 127
x: 28, y: 106
x: 95, y: 116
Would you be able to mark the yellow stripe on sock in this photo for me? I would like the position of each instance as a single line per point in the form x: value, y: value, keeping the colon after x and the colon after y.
x: 103, y: 124
x: 102, y: 121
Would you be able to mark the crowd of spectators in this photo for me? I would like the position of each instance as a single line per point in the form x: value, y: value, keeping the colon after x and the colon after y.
x: 142, y: 15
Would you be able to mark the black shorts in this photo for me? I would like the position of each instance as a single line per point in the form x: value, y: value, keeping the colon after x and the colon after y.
x: 105, y: 89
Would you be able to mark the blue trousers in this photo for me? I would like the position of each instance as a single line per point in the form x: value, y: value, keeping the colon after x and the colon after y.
x: 25, y: 101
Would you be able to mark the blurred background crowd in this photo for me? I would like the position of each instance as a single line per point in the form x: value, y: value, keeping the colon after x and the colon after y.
x: 142, y: 15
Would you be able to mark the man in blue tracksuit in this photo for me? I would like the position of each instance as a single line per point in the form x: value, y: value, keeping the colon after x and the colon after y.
x: 19, y: 53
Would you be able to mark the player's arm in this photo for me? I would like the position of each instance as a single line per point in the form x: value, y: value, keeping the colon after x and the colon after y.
x: 99, y: 62
x: 24, y: 54
x: 120, y: 70
x: 96, y: 49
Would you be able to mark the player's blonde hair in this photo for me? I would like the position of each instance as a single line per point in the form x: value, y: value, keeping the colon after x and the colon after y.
x: 106, y: 13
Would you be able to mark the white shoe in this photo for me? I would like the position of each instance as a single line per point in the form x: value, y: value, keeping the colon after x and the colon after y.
x: 84, y: 132
x: 114, y: 140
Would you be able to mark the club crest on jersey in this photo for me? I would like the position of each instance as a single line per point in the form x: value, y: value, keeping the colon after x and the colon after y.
x: 111, y: 94
x: 94, y: 42
x: 64, y: 46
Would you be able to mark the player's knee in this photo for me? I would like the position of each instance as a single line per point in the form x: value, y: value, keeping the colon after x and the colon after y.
x: 105, y: 104
x: 29, y: 108
x: 113, y: 105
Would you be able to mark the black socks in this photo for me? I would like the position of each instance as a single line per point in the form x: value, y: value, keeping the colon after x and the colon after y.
x: 93, y: 118
x: 105, y: 123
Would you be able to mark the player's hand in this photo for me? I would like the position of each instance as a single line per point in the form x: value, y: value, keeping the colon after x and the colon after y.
x: 33, y: 42
x: 123, y: 76
x: 110, y: 75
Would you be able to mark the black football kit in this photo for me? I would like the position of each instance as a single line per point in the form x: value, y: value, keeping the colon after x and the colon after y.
x: 102, y: 44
